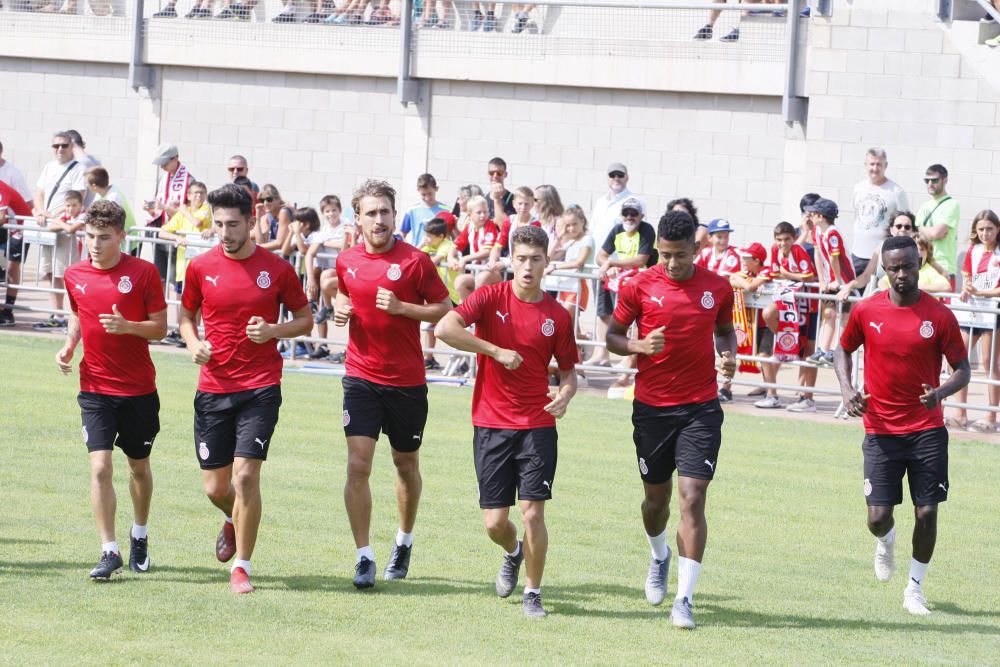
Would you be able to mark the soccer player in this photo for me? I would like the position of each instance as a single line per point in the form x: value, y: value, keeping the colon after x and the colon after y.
x: 905, y: 333
x: 519, y: 328
x: 239, y: 289
x: 387, y: 287
x: 676, y: 412
x: 117, y: 307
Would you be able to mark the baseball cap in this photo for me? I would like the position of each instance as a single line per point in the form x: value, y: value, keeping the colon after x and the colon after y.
x: 754, y: 250
x: 825, y: 207
x: 633, y: 203
x: 719, y: 225
x: 164, y: 154
x: 447, y: 218
x: 617, y: 166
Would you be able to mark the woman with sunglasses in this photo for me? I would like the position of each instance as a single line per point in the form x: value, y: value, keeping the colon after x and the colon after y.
x: 903, y: 224
x: 274, y: 218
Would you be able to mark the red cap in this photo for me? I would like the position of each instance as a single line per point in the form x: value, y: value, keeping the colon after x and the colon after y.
x: 756, y: 251
x: 447, y: 218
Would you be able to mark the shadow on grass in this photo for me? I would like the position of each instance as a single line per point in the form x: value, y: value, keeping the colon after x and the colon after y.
x: 951, y: 608
x: 22, y: 540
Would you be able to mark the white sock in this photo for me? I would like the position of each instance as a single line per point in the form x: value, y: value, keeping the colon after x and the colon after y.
x: 687, y: 576
x: 365, y: 552
x: 229, y: 519
x: 404, y: 539
x: 516, y: 551
x: 918, y: 571
x: 536, y: 591
x: 889, y: 538
x: 658, y: 545
x: 111, y: 546
x: 245, y: 564
x: 138, y: 532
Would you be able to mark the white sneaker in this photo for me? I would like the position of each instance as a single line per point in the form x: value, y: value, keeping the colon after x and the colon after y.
x: 768, y: 403
x: 885, y: 560
x: 915, y: 602
x: 802, y: 405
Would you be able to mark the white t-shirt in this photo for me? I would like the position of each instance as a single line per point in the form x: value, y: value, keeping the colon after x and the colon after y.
x: 74, y: 180
x: 327, y: 233
x: 13, y: 177
x: 874, y: 208
x: 86, y: 162
x: 605, y: 214
x: 573, y: 252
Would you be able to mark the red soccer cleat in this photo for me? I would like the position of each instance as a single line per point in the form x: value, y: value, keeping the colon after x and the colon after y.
x: 225, y: 544
x: 239, y: 581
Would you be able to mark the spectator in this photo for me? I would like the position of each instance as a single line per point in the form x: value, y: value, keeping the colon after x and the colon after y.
x: 754, y: 272
x: 706, y: 31
x: 66, y: 252
x: 804, y: 231
x: 484, y: 17
x: 171, y: 195
x: 238, y: 167
x: 980, y: 278
x: 302, y: 232
x: 99, y: 184
x: 937, y: 220
x: 701, y: 229
x: 522, y: 15
x: 477, y: 238
x: 191, y: 222
x: 499, y: 261
x: 497, y: 171
x: 415, y: 218
x: 460, y: 209
x: 606, y: 212
x: 58, y: 179
x: 720, y: 257
x: 273, y: 218
x: 576, y: 249
x: 834, y: 270
x: 549, y: 210
x: 321, y: 273
x: 86, y: 160
x: 439, y: 247
x: 12, y: 176
x: 12, y: 240
x: 876, y: 200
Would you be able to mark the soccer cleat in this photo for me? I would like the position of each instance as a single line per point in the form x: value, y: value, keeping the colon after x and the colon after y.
x: 915, y: 602
x: 531, y: 604
x: 138, y: 555
x: 109, y: 565
x: 802, y: 405
x: 225, y: 543
x: 704, y: 33
x: 681, y: 615
x: 507, y: 576
x: 885, y: 560
x: 364, y: 573
x: 656, y: 580
x: 399, y: 562
x: 768, y: 403
x: 239, y: 581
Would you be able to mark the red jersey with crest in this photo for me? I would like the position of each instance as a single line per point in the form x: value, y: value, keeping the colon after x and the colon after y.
x: 830, y: 249
x: 474, y: 240
x: 229, y: 292
x: 903, y: 350
x: 796, y: 261
x: 383, y: 348
x: 684, y: 372
x: 726, y: 263
x: 538, y: 332
x: 982, y: 267
x: 115, y: 364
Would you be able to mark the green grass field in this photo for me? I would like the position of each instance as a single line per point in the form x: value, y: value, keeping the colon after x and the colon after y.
x: 787, y: 577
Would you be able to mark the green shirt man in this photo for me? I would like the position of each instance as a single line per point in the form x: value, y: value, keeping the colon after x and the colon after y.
x: 938, y: 218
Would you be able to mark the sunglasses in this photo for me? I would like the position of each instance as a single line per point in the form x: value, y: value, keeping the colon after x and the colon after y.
x: 932, y: 180
x: 266, y: 200
x: 60, y: 146
x: 629, y: 213
x: 616, y: 174
x: 906, y: 228
x: 236, y: 169
x: 495, y: 172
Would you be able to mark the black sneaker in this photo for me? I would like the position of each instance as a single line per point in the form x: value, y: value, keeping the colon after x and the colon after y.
x: 241, y: 12
x: 364, y: 573
x: 321, y: 352
x: 316, y: 17
x: 725, y: 396
x: 431, y: 365
x: 166, y: 13
x: 507, y: 576
x: 322, y: 315
x: 226, y: 14
x: 531, y: 604
x: 287, y: 16
x: 338, y: 357
x: 109, y: 565
x: 203, y: 13
x: 6, y: 317
x: 733, y: 36
x: 520, y: 24
x: 704, y: 33
x: 399, y: 562
x: 138, y: 555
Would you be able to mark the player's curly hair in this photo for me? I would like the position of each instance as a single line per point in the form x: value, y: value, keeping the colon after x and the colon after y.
x: 676, y: 226
x: 530, y: 235
x: 106, y: 213
x: 231, y: 195
x: 373, y: 188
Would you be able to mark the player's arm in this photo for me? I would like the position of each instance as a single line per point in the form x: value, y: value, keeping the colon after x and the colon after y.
x: 429, y: 312
x: 725, y: 345
x: 201, y: 351
x: 260, y: 331
x: 342, y: 308
x: 65, y: 355
x: 565, y: 392
x: 961, y: 373
x: 452, y: 330
x: 153, y: 328
x: 843, y: 366
x: 619, y: 342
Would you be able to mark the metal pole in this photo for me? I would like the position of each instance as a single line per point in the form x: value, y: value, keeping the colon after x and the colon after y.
x: 792, y: 106
x: 407, y: 88
x: 139, y: 74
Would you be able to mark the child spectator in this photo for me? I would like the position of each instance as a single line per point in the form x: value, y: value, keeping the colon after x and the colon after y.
x: 302, y: 232
x: 478, y: 239
x: 273, y: 218
x: 193, y: 221
x: 99, y: 182
x: 66, y: 252
x: 576, y: 248
x: 549, y: 210
x: 834, y: 269
x: 438, y: 246
x: 461, y: 208
x: 754, y: 272
x: 719, y: 257
x: 415, y: 219
x: 321, y: 274
x: 499, y: 261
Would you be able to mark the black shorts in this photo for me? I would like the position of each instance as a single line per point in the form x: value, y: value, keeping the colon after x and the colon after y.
x: 161, y: 258
x: 859, y: 263
x: 921, y: 456
x: 237, y: 424
x: 127, y: 422
x: 685, y: 438
x: 509, y: 460
x: 399, y: 412
x: 14, y: 246
x: 605, y: 301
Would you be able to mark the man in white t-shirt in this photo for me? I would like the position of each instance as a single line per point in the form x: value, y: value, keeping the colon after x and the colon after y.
x: 13, y: 177
x: 86, y: 161
x: 876, y: 201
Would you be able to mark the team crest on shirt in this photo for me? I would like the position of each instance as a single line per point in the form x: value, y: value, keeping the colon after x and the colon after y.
x: 868, y: 487
x: 707, y: 301
x: 203, y: 451
x: 86, y: 436
x: 394, y: 272
x: 804, y: 265
x: 124, y: 284
x: 548, y: 327
x: 347, y: 417
x: 642, y: 467
x: 264, y: 280
x: 834, y: 242
x: 926, y: 329
x: 731, y: 261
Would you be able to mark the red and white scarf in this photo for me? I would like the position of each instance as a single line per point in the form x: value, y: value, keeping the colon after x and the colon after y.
x: 744, y: 332
x: 791, y: 314
x: 174, y: 188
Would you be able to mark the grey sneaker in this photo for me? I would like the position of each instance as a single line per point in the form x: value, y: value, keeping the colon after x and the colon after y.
x: 364, y: 573
x: 507, y: 576
x: 816, y: 358
x: 109, y: 565
x: 768, y: 403
x: 399, y: 562
x: 656, y: 580
x: 532, y: 605
x: 681, y: 615
x: 802, y: 405
x: 828, y: 358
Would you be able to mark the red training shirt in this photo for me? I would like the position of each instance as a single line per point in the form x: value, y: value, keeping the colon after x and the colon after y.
x: 383, y: 348
x: 684, y: 372
x: 537, y: 331
x: 229, y: 292
x: 12, y: 199
x: 726, y: 263
x: 115, y: 364
x: 903, y: 350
